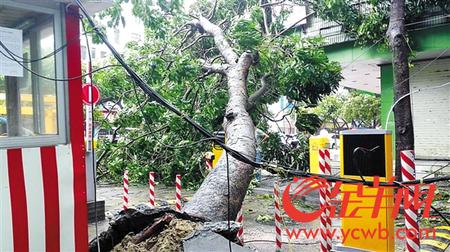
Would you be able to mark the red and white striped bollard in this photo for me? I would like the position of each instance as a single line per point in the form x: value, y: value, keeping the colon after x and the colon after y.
x: 278, y: 220
x: 151, y: 188
x: 178, y: 193
x: 240, y: 220
x: 125, y: 190
x: 325, y: 220
x: 328, y: 194
x: 411, y: 223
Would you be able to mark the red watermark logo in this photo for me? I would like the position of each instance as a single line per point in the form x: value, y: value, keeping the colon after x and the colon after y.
x: 422, y: 198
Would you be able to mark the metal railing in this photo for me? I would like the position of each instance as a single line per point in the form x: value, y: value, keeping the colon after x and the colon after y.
x: 332, y: 33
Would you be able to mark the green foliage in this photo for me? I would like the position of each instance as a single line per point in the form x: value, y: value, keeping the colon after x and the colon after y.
x: 330, y: 108
x: 355, y: 109
x: 307, y: 122
x: 246, y: 35
x: 226, y: 9
x: 304, y: 72
x: 154, y: 139
x: 284, y: 151
x: 363, y: 108
x: 264, y: 218
x: 151, y: 154
x: 368, y: 22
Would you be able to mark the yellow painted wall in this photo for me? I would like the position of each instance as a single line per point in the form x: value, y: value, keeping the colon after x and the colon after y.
x: 51, y: 126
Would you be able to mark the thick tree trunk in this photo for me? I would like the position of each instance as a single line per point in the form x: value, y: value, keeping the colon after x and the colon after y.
x: 404, y: 133
x: 211, y: 199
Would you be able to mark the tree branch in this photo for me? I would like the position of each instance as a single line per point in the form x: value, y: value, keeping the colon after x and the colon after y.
x: 186, y: 36
x: 215, y: 68
x: 247, y: 59
x: 216, y: 58
x: 265, y: 9
x: 272, y: 4
x: 213, y: 11
x: 221, y: 42
x: 194, y: 42
x: 253, y: 99
x: 182, y: 28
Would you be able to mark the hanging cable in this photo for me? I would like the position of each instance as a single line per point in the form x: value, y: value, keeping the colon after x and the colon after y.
x: 432, y: 207
x: 418, y: 90
x: 49, y: 78
x: 235, y: 154
x: 14, y: 56
x: 273, y: 119
x: 408, y: 94
x: 157, y: 97
x: 437, y: 170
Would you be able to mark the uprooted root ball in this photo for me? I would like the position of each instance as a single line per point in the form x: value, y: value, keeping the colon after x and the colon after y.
x: 169, y: 240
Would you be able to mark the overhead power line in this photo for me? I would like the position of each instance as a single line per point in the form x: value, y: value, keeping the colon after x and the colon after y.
x: 161, y: 100
x: 235, y: 154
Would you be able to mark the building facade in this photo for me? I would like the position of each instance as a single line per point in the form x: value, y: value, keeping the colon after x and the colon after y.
x: 369, y: 68
x: 131, y: 30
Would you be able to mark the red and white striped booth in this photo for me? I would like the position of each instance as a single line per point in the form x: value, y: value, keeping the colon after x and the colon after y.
x: 42, y: 150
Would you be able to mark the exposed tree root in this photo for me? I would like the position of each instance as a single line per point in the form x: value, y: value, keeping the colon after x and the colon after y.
x: 169, y: 240
x: 160, y: 229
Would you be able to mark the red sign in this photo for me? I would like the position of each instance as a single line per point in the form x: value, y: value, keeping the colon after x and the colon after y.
x: 88, y: 97
x: 302, y: 187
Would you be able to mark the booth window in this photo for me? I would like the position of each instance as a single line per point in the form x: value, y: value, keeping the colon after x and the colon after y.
x: 30, y: 106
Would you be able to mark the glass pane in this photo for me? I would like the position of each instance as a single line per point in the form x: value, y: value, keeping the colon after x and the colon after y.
x: 47, y: 88
x: 28, y: 103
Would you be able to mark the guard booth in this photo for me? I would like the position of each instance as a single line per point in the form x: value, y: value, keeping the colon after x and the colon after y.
x: 367, y: 153
x: 42, y: 153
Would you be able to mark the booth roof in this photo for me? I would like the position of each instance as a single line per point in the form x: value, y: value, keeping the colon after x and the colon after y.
x: 92, y: 6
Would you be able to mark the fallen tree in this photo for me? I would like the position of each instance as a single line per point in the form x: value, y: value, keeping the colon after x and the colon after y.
x: 239, y: 131
x: 248, y: 59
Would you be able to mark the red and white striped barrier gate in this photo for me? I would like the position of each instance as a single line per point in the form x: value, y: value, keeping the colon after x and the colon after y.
x: 178, y: 193
x: 240, y: 220
x: 325, y: 220
x: 278, y: 220
x: 151, y: 188
x: 209, y: 165
x: 409, y: 173
x: 125, y: 190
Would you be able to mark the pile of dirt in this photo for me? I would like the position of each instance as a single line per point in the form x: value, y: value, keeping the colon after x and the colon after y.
x: 169, y: 240
x: 127, y: 245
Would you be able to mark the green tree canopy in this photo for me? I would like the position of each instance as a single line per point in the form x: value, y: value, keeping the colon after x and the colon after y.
x: 363, y: 109
x: 353, y: 110
x: 185, y: 66
x: 368, y: 21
